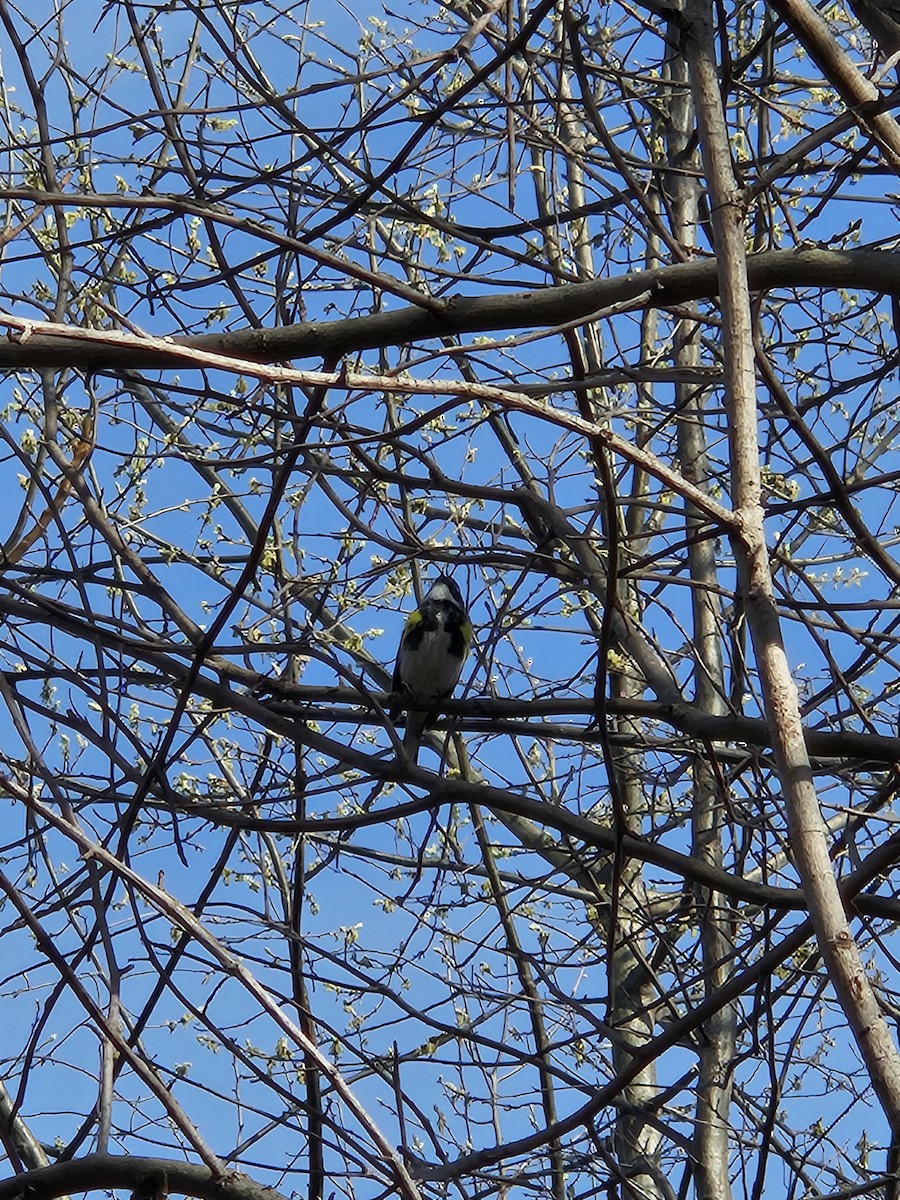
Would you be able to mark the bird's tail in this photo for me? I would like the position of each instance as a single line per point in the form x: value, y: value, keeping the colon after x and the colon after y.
x: 412, y: 739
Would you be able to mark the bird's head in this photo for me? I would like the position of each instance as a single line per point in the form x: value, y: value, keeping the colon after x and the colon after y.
x: 445, y: 588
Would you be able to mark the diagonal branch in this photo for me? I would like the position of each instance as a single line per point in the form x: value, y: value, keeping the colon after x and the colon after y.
x: 859, y: 94
x: 808, y: 832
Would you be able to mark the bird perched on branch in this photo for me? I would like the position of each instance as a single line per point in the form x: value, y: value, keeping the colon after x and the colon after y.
x: 433, y: 648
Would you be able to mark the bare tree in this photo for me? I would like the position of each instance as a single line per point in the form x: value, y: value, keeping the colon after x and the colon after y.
x: 595, y: 309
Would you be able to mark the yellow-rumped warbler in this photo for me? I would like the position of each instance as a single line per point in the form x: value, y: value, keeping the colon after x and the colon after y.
x: 433, y: 648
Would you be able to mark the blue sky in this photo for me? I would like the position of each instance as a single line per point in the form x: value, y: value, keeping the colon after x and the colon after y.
x: 380, y: 935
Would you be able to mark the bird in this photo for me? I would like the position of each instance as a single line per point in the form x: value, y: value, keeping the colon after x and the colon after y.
x: 436, y: 639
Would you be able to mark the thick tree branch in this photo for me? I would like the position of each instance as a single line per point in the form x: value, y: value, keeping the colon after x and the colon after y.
x: 809, y: 839
x: 859, y: 94
x: 103, y: 1172
x: 89, y: 350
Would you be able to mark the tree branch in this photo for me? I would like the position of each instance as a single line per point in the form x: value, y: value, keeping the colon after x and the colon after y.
x: 102, y: 1171
x: 91, y: 350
